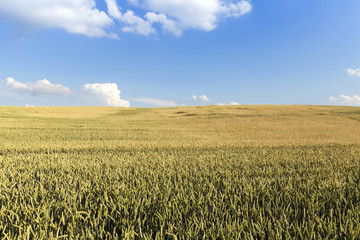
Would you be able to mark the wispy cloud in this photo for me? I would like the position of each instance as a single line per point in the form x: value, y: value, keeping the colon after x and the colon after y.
x: 355, y: 99
x: 234, y: 103
x: 353, y: 72
x: 105, y: 93
x: 156, y: 102
x: 230, y: 103
x: 41, y: 87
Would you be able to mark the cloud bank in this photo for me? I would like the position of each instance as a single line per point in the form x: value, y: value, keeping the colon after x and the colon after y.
x: 41, y: 87
x: 106, y: 93
x: 353, y: 72
x: 355, y: 99
x: 82, y: 16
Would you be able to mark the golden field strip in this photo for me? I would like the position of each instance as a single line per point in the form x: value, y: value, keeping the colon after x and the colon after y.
x: 212, y: 172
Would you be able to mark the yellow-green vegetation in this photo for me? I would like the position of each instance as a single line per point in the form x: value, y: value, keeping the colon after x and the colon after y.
x: 215, y: 172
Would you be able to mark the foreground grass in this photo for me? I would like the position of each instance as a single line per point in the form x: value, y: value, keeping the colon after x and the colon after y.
x: 180, y: 173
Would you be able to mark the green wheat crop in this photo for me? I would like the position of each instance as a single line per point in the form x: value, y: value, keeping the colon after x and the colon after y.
x: 229, y: 172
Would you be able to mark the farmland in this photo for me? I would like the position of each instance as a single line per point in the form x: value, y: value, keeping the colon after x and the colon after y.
x: 209, y: 172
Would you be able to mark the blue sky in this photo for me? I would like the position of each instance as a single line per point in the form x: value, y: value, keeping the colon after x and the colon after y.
x: 155, y: 53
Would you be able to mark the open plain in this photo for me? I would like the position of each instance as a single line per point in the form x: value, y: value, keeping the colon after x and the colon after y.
x: 209, y: 172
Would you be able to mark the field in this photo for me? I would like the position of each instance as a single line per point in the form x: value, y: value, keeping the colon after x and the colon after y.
x: 214, y: 172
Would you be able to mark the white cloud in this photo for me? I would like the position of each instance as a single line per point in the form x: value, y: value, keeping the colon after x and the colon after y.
x: 355, y: 99
x: 353, y: 72
x: 29, y: 105
x: 202, y: 98
x: 199, y: 14
x: 234, y: 103
x: 156, y: 102
x: 41, y: 87
x: 113, y: 8
x: 177, y: 16
x: 75, y: 16
x: 82, y: 16
x: 236, y: 9
x: 106, y: 93
x: 231, y: 103
x: 168, y: 25
x: 134, y: 23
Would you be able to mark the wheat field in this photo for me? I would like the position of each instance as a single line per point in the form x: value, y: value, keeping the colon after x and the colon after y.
x: 208, y: 172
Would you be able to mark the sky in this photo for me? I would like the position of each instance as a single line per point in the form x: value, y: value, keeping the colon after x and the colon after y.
x: 167, y: 53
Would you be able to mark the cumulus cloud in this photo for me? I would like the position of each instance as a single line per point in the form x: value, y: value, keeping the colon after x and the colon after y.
x: 75, y: 16
x: 106, y: 93
x: 197, y: 14
x: 156, y: 102
x: 82, y: 16
x: 202, y: 98
x: 29, y: 105
x: 113, y: 8
x: 353, y: 72
x: 236, y: 9
x: 134, y: 23
x: 177, y: 16
x: 168, y: 25
x: 355, y: 99
x: 41, y: 87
